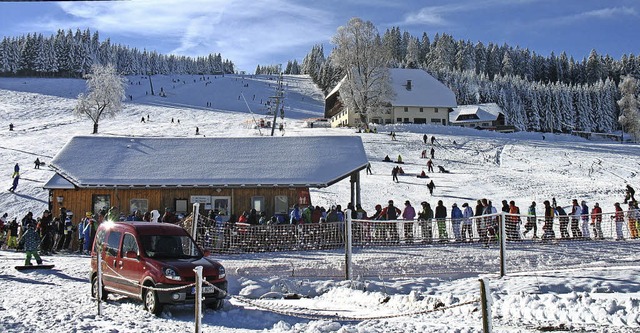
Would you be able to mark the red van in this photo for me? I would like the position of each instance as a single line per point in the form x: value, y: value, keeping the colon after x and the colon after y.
x: 150, y: 261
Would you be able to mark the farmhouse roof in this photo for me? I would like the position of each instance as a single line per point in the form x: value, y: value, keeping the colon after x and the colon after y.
x: 423, y: 89
x: 102, y: 161
x: 480, y: 112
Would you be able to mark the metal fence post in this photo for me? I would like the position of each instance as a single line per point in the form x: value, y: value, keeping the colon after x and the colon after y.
x: 196, y: 213
x: 347, y: 246
x: 198, y: 298
x: 503, y: 244
x: 486, y: 307
x: 99, y: 278
x: 194, y: 225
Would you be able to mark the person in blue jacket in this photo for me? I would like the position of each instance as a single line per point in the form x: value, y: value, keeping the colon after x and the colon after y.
x: 296, y: 215
x: 456, y: 219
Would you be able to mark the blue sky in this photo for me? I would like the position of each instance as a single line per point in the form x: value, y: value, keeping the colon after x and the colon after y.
x: 273, y: 31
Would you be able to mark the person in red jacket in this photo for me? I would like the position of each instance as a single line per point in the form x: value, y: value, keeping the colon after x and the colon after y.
x: 596, y: 221
x: 619, y: 219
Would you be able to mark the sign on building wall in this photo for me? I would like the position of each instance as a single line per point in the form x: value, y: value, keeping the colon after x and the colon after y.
x: 201, y: 199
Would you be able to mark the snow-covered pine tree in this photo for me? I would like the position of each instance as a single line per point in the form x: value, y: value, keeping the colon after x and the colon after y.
x: 629, y: 106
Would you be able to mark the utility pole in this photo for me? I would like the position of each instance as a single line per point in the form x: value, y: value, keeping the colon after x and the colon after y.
x: 279, y: 96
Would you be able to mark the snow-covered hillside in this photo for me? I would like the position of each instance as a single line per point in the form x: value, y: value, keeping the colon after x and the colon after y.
x: 522, y: 167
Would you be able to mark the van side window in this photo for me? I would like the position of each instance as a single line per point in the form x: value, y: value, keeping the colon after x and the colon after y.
x: 129, y: 244
x: 113, y: 243
x: 97, y: 245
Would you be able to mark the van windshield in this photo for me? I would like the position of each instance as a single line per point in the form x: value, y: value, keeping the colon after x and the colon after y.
x: 170, y: 247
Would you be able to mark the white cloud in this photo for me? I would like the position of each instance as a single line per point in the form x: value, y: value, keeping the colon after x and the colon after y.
x: 441, y: 15
x: 239, y: 30
x: 604, y: 13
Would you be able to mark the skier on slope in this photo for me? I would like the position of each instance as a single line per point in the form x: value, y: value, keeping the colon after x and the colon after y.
x: 16, y: 177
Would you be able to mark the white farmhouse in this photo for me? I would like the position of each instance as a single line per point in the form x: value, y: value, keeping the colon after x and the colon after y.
x: 419, y: 99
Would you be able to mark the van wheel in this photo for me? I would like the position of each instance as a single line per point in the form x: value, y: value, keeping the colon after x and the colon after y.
x: 215, y: 305
x: 94, y: 289
x: 151, y: 302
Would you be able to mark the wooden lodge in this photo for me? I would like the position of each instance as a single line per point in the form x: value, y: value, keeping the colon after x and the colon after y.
x: 230, y: 175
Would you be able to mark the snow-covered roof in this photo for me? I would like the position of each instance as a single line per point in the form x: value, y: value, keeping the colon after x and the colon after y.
x: 101, y: 161
x: 425, y: 90
x: 482, y: 112
x: 58, y: 182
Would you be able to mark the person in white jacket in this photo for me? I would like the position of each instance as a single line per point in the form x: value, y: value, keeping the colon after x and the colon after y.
x: 467, y: 214
x: 576, y: 212
x: 155, y: 215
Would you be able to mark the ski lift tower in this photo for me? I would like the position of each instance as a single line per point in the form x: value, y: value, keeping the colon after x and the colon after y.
x: 278, y: 100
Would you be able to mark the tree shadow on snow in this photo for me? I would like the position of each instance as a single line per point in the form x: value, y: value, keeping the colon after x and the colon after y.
x: 29, y: 197
x: 67, y: 277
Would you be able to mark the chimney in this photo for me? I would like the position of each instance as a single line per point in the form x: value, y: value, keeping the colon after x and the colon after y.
x: 408, y: 85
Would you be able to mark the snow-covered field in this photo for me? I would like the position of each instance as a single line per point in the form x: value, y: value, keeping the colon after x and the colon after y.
x: 583, y: 286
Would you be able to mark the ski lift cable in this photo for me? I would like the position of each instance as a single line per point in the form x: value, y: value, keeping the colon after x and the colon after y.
x: 252, y: 114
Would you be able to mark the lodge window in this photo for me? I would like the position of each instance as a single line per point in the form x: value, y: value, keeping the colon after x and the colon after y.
x: 181, y: 206
x: 221, y: 204
x: 406, y: 109
x: 141, y: 205
x: 435, y: 120
x: 257, y: 203
x: 399, y: 120
x: 100, y: 202
x: 421, y: 109
x: 281, y: 204
x: 435, y: 110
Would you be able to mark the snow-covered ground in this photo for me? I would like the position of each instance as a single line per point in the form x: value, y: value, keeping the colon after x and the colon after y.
x: 588, y: 286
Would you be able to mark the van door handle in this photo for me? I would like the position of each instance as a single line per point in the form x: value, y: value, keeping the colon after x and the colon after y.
x: 120, y: 263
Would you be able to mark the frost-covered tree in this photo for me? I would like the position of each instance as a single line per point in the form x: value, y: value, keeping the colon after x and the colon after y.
x: 412, y: 58
x: 628, y: 103
x: 366, y: 89
x: 105, y: 93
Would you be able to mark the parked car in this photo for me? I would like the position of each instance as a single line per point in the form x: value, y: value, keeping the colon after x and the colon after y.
x: 138, y: 256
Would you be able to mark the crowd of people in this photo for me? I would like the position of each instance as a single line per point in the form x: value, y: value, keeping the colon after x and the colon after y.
x: 578, y: 222
x: 60, y: 233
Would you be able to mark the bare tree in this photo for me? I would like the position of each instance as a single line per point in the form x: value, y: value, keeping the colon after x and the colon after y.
x: 628, y: 103
x: 105, y: 94
x: 366, y: 89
